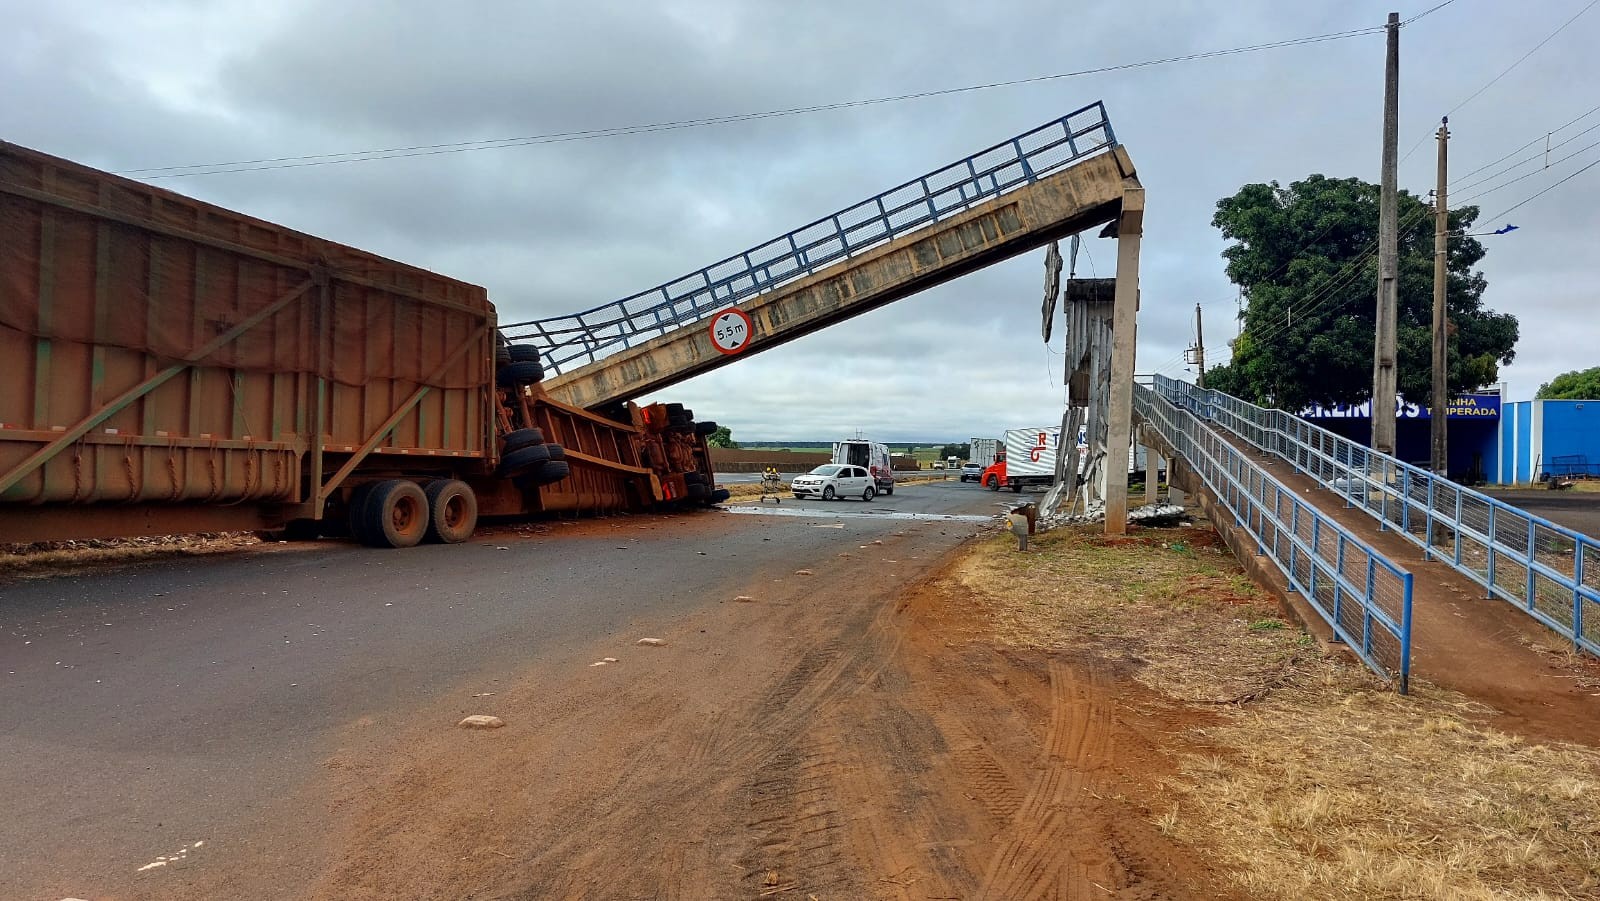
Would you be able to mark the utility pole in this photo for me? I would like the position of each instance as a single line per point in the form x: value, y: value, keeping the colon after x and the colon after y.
x: 1200, y: 344
x: 1439, y: 426
x: 1385, y: 384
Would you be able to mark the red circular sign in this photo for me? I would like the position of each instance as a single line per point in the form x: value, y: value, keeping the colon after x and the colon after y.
x: 731, y: 331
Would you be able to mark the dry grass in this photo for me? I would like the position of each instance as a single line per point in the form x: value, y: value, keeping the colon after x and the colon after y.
x: 1172, y: 601
x: 56, y: 557
x: 1331, y: 785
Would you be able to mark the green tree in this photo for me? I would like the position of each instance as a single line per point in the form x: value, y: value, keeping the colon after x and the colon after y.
x: 722, y: 437
x: 1305, y: 257
x: 1579, y: 384
x: 964, y: 451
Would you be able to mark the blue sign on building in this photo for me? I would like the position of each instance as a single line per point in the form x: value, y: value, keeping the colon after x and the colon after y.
x: 1463, y: 406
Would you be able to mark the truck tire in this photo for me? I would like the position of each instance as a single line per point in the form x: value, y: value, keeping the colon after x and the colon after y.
x: 452, y: 511
x: 546, y: 473
x: 705, y: 428
x: 522, y: 460
x: 694, y: 478
x: 557, y: 452
x: 524, y: 353
x: 1016, y: 487
x: 502, y: 356
x: 720, y: 495
x: 888, y: 490
x: 516, y: 373
x: 355, y: 517
x: 395, y: 515
x: 699, y: 492
x: 521, y: 438
x: 993, y: 484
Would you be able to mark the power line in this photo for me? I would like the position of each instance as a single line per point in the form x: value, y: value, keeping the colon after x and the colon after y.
x: 1506, y: 184
x: 1547, y: 190
x: 1427, y: 12
x: 1542, y: 154
x: 1531, y: 143
x: 325, y: 159
x: 1507, y: 71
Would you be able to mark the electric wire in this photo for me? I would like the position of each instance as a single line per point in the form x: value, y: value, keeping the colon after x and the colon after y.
x: 325, y: 159
x: 1506, y: 71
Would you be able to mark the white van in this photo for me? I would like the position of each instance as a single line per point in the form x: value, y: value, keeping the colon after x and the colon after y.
x: 874, y: 457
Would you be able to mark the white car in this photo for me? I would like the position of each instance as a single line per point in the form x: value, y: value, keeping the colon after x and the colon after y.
x: 834, y: 480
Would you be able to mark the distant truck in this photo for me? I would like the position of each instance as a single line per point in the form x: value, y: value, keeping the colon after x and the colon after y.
x: 872, y: 456
x: 983, y: 451
x: 1028, y: 458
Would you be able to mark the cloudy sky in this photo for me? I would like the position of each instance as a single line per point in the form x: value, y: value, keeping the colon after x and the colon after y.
x: 557, y: 227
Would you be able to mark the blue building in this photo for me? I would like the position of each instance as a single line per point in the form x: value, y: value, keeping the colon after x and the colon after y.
x: 1556, y: 437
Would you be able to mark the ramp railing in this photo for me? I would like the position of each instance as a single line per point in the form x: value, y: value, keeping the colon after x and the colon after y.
x: 1364, y: 596
x: 571, y: 341
x: 1547, y: 570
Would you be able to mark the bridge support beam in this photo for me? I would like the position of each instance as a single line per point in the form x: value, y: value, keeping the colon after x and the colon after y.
x: 1124, y: 321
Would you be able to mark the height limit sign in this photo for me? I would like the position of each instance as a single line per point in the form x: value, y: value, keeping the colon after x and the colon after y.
x: 730, y: 331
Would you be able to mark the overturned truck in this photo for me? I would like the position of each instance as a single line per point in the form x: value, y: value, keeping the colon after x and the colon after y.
x: 172, y: 366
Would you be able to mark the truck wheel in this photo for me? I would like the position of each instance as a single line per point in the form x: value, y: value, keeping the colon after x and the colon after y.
x: 722, y: 494
x: 452, y: 511
x: 546, y: 473
x: 993, y: 484
x: 705, y: 428
x: 395, y: 515
x: 355, y: 516
x: 699, y: 492
x: 888, y: 490
x: 1016, y: 487
x: 523, y: 353
x: 868, y: 494
x: 522, y: 460
x: 520, y: 439
x: 694, y: 478
x: 519, y: 373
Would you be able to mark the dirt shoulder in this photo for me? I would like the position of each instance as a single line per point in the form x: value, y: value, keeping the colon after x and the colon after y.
x: 1125, y: 718
x: 1297, y: 774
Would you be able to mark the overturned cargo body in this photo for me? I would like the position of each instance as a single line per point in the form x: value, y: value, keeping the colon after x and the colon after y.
x: 174, y: 366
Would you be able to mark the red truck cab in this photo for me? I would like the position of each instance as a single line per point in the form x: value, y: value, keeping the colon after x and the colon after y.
x: 995, y: 475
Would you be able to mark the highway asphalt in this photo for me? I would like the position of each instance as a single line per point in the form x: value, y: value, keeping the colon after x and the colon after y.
x: 157, y: 719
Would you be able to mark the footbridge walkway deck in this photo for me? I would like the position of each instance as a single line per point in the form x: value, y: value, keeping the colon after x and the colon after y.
x: 1059, y: 179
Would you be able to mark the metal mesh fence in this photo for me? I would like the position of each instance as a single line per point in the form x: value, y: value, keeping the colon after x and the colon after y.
x: 580, y: 338
x: 1549, y: 571
x: 1362, y: 595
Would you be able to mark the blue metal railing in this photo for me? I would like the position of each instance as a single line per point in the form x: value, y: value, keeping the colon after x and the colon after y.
x: 1547, y: 570
x: 568, y: 341
x: 1363, y: 596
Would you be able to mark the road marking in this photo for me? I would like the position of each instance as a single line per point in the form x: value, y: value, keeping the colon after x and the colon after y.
x: 745, y: 510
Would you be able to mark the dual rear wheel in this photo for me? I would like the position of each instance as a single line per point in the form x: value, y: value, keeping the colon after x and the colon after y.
x: 400, y: 513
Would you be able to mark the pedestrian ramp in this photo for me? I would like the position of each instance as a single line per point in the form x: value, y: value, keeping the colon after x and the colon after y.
x: 1061, y: 178
x: 1348, y: 525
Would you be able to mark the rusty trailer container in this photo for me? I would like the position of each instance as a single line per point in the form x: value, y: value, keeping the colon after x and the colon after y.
x: 174, y: 366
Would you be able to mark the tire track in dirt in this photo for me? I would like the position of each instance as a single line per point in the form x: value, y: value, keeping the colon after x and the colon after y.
x: 1048, y: 852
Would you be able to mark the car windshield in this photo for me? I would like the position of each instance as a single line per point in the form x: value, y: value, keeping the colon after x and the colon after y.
x: 832, y: 469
